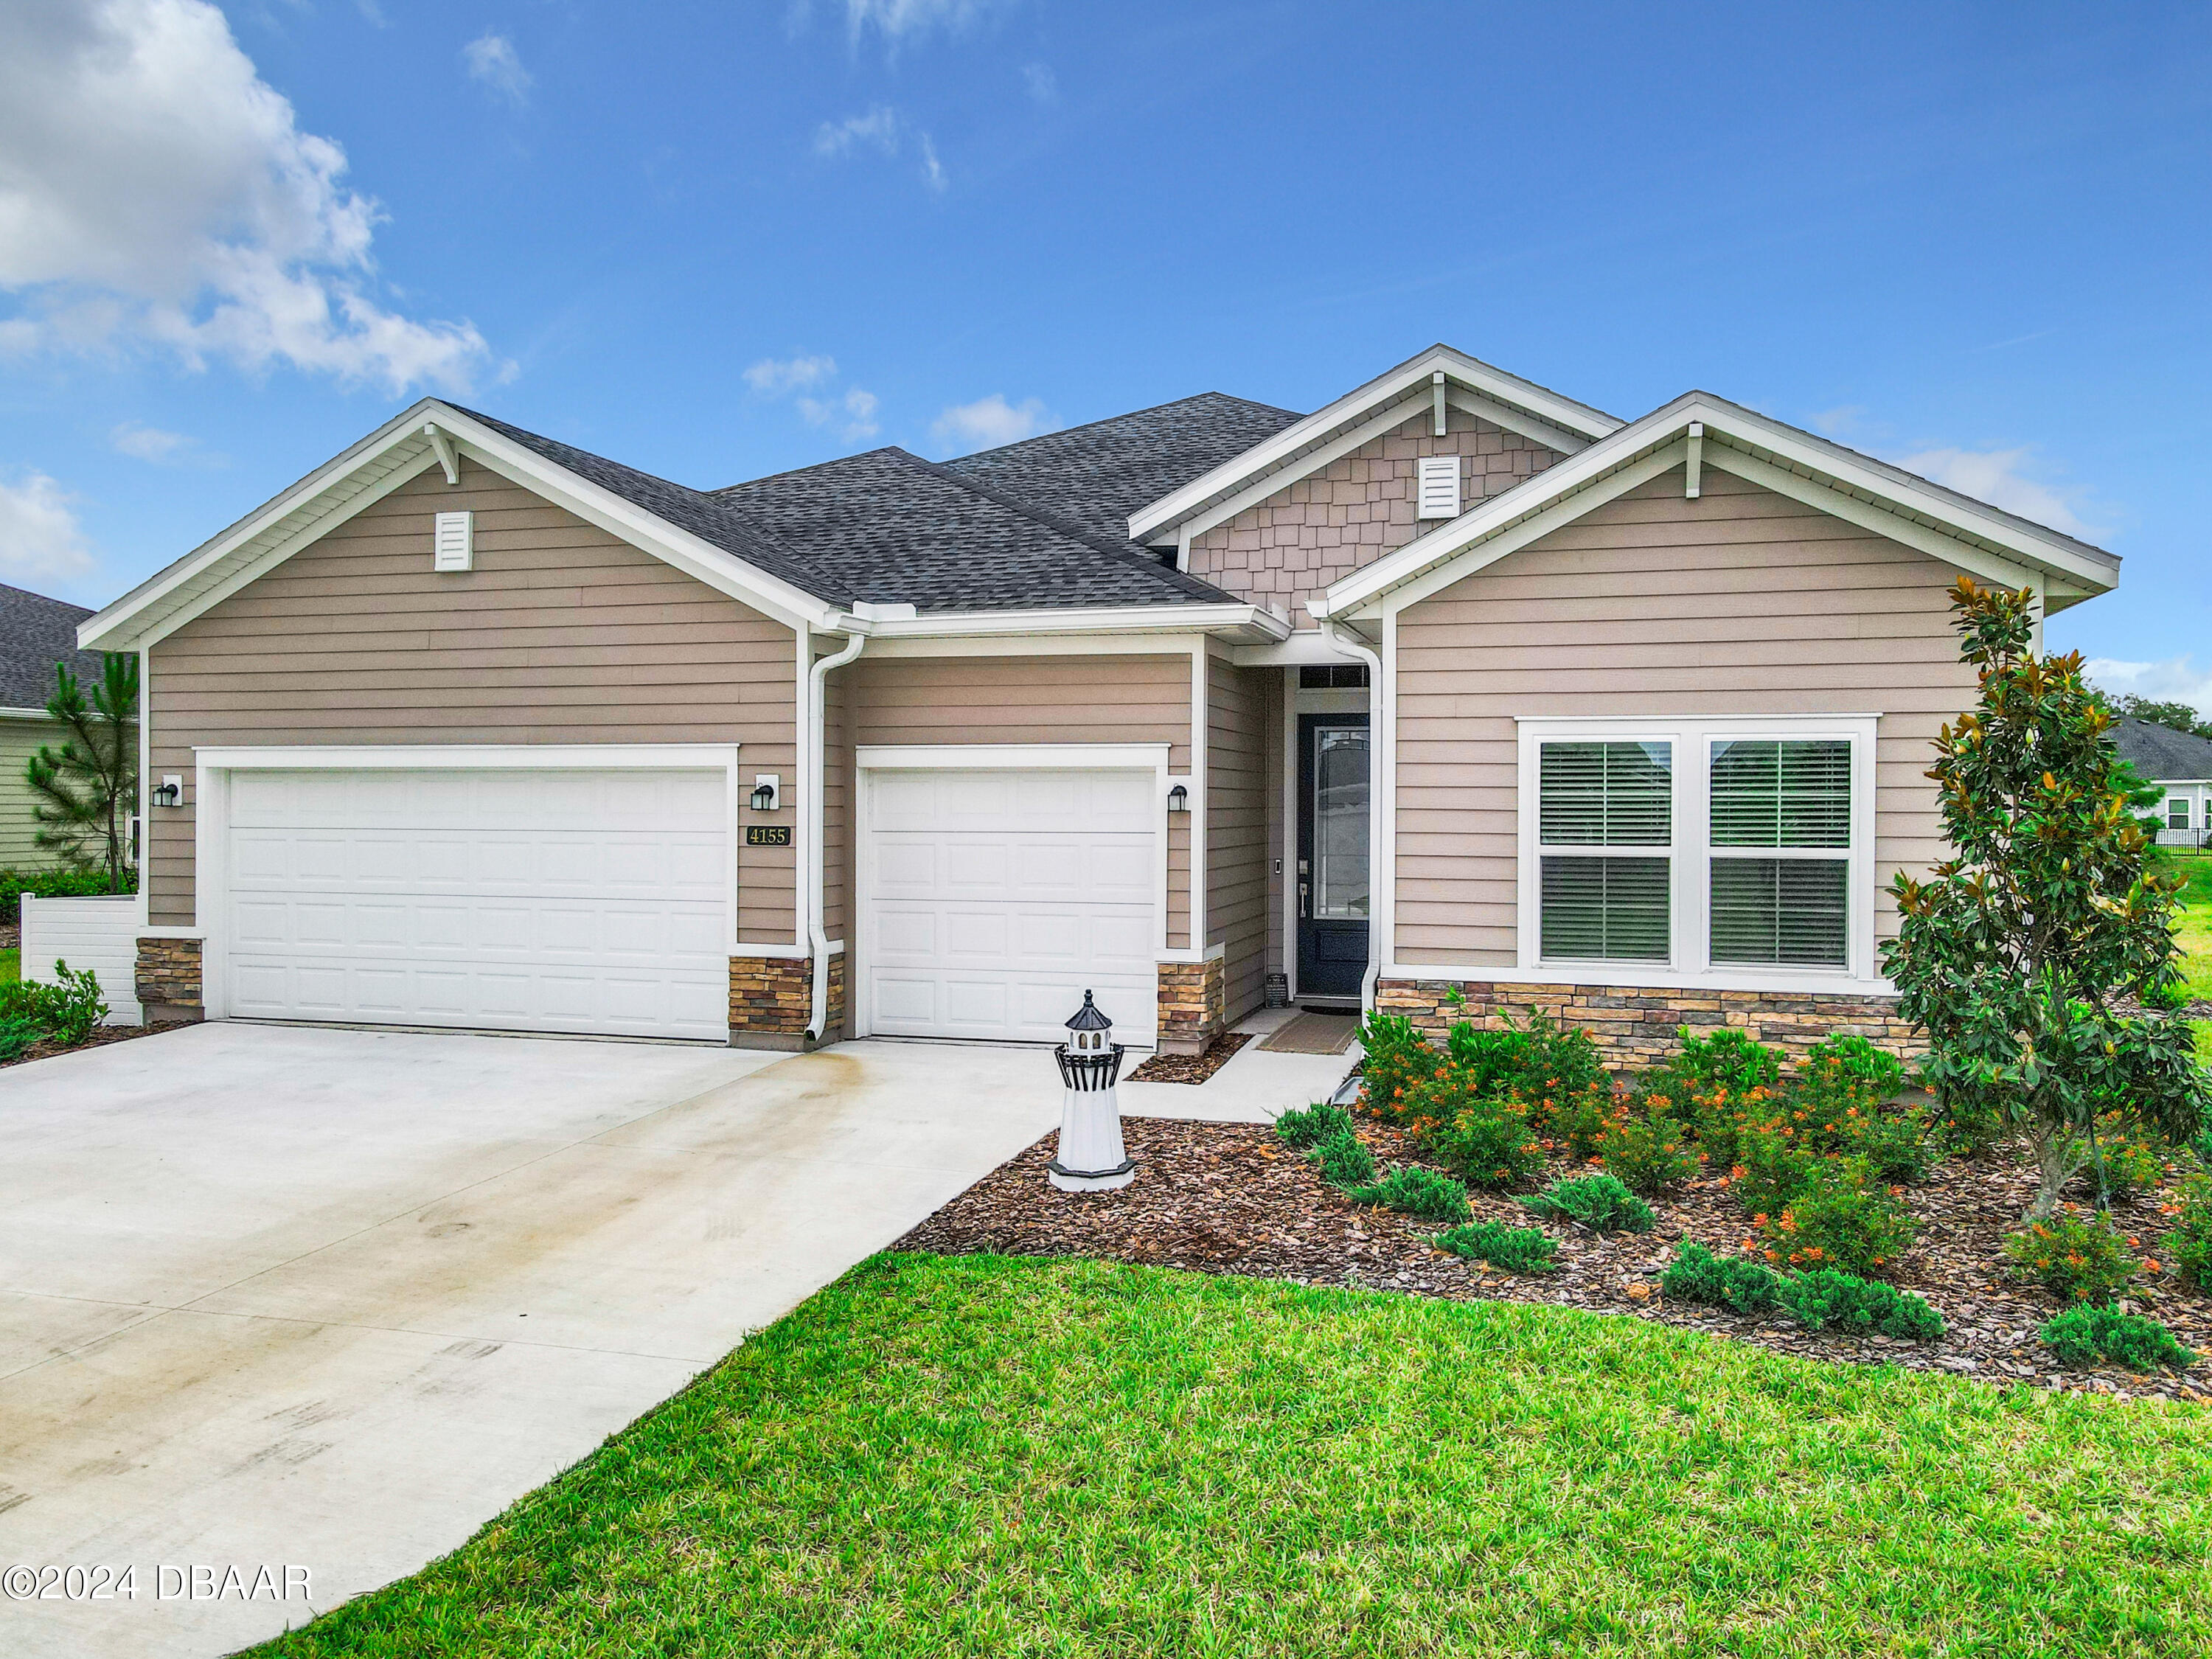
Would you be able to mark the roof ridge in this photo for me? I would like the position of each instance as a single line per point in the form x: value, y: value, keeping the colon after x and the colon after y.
x: 811, y: 466
x: 1125, y: 415
x: 1053, y: 521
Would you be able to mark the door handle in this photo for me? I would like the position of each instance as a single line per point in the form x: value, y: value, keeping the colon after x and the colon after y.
x: 1301, y: 902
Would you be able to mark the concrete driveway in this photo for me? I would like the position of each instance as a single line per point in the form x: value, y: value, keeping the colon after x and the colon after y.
x: 279, y: 1299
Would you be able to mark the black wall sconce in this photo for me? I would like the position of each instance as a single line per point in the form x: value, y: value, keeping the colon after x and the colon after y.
x: 767, y: 787
x: 1178, y: 799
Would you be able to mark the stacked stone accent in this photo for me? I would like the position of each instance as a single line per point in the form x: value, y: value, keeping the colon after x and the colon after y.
x: 168, y: 979
x: 770, y: 998
x: 1636, y: 1026
x: 1193, y: 1005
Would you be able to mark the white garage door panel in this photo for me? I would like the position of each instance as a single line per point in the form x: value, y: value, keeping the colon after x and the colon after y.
x: 996, y: 899
x: 584, y: 901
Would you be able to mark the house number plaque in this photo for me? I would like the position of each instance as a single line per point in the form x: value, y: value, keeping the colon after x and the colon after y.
x: 768, y: 834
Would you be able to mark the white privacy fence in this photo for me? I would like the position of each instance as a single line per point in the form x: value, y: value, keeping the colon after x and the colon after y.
x: 97, y: 933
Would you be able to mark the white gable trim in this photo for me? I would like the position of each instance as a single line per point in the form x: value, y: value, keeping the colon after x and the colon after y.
x: 1509, y: 401
x: 395, y: 452
x: 1966, y: 534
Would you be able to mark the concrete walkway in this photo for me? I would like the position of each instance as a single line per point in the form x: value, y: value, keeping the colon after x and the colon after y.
x: 287, y: 1299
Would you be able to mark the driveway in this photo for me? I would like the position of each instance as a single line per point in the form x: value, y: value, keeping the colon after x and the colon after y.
x: 292, y: 1299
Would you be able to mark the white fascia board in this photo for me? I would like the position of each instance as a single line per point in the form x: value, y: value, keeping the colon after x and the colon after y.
x: 1307, y: 646
x: 1414, y: 378
x: 468, y: 757
x: 1949, y: 527
x: 26, y: 715
x: 1251, y: 620
x: 1013, y: 756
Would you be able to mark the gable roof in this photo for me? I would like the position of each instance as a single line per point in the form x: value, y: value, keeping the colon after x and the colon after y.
x: 1390, y: 399
x: 889, y: 527
x: 2159, y: 753
x: 1950, y: 527
x: 1098, y: 475
x: 36, y: 633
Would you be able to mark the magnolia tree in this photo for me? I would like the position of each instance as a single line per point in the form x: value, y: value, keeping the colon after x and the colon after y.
x: 2030, y: 957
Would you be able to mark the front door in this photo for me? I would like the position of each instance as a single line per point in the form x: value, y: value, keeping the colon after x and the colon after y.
x: 1332, y: 872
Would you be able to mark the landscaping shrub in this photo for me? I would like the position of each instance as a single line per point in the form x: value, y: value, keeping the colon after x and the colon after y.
x: 1314, y: 1124
x: 54, y: 884
x: 1645, y: 1150
x: 1896, y: 1146
x: 1823, y: 1296
x: 1344, y: 1160
x: 1412, y: 1190
x: 1729, y: 1060
x: 1542, y: 1063
x: 1579, y: 1122
x: 2082, y: 1260
x: 1599, y: 1202
x: 65, y: 1011
x: 1396, y: 1054
x: 1843, y: 1217
x: 2132, y: 1163
x: 16, y: 1035
x: 2082, y: 1336
x: 2188, y: 1245
x: 1771, y: 1168
x: 1848, y: 1060
x: 1696, y: 1274
x: 1488, y: 1142
x: 1516, y: 1250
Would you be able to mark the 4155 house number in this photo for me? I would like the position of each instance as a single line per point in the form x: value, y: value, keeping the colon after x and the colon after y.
x: 768, y: 834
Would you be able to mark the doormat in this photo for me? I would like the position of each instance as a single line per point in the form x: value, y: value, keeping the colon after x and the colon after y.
x: 1313, y: 1034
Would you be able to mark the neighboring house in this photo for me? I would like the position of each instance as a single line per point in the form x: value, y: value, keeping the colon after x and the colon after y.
x: 1456, y: 687
x: 36, y: 633
x: 2178, y: 762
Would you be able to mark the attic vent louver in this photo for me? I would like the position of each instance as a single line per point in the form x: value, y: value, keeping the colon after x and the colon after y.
x: 453, y: 546
x: 1439, y: 487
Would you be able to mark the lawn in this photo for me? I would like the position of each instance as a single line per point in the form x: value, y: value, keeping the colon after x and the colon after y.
x: 2193, y: 931
x: 982, y: 1455
x: 11, y: 965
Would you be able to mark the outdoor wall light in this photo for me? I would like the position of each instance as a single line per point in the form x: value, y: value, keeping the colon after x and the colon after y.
x: 170, y: 792
x: 766, y: 787
x: 1178, y: 799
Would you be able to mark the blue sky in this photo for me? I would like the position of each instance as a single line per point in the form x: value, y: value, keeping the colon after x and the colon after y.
x: 745, y: 238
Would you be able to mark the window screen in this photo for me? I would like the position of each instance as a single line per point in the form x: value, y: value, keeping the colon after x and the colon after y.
x: 1604, y: 906
x: 1794, y: 796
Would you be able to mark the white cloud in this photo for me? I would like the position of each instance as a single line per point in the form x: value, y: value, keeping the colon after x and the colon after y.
x: 40, y: 538
x: 1994, y: 476
x: 2177, y: 679
x: 772, y: 378
x: 493, y: 60
x: 153, y: 188
x: 148, y: 443
x: 932, y: 174
x: 902, y: 19
x: 1043, y: 85
x: 878, y: 128
x: 853, y: 414
x: 989, y: 421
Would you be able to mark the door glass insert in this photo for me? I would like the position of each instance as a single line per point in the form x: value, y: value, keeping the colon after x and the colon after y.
x: 1339, y: 823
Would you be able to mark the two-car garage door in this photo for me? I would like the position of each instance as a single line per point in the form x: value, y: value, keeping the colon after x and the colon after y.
x: 991, y: 900
x: 582, y: 900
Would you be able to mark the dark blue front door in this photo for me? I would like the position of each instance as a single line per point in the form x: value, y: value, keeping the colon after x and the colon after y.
x: 1332, y: 872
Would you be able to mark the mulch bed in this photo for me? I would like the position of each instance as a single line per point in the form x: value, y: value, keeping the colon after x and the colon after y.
x: 1191, y: 1068
x: 101, y: 1037
x: 1232, y: 1199
x: 11, y: 936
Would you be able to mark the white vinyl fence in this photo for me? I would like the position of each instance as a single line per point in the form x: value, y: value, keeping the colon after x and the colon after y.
x: 99, y: 933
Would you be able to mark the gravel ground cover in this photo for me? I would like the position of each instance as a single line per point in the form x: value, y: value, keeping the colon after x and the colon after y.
x: 1232, y: 1199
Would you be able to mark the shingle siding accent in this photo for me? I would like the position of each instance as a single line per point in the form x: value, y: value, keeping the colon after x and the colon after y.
x: 1322, y: 528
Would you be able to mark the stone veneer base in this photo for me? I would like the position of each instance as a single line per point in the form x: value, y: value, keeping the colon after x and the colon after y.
x: 1636, y: 1026
x: 1192, y: 1000
x: 167, y: 980
x: 770, y: 998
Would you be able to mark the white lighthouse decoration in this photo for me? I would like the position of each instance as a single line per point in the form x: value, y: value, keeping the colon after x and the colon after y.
x: 1091, y: 1159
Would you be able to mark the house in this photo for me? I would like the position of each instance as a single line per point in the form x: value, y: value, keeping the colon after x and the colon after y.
x: 2178, y: 762
x: 36, y: 633
x: 1455, y: 689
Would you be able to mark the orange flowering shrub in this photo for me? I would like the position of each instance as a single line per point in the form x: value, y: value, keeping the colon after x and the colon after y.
x: 2080, y: 1258
x: 1841, y: 1217
x: 1645, y: 1150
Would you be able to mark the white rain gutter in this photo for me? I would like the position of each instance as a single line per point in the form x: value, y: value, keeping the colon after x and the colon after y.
x: 809, y: 784
x: 1352, y: 645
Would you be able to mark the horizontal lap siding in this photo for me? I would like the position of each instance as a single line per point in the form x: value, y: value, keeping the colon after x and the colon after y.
x: 1072, y: 699
x: 19, y: 739
x: 1242, y: 706
x: 1742, y: 601
x: 562, y: 634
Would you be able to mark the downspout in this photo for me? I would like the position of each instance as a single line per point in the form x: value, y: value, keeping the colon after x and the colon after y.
x: 1352, y: 645
x: 813, y: 877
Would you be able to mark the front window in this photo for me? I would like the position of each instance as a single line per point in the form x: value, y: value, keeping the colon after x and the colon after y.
x: 1787, y: 903
x: 2177, y: 813
x: 1608, y: 827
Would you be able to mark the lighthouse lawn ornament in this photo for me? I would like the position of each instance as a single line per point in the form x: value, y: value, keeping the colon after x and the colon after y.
x: 1091, y: 1159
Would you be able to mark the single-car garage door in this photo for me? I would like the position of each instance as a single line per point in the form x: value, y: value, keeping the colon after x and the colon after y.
x: 533, y: 901
x: 992, y: 900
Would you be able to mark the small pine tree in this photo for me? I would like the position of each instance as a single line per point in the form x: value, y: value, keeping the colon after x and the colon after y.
x: 87, y: 789
x: 2013, y: 954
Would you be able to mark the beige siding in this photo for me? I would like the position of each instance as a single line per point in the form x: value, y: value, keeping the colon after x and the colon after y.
x: 1742, y: 601
x: 1070, y: 699
x: 1322, y: 528
x: 19, y: 741
x: 561, y: 633
x: 1240, y: 702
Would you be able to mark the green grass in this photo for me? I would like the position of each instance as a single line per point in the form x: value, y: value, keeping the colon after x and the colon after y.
x: 11, y: 965
x: 983, y: 1454
x: 2193, y: 931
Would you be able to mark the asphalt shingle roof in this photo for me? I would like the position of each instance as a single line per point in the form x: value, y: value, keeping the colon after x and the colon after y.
x: 2159, y: 753
x: 36, y: 633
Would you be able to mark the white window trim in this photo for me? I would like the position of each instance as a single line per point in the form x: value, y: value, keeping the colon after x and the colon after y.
x: 213, y: 768
x: 1690, y: 963
x: 871, y: 758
